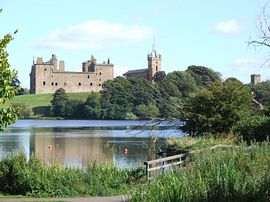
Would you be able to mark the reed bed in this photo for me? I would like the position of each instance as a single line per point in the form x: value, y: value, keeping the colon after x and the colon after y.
x: 231, y: 174
x: 19, y: 176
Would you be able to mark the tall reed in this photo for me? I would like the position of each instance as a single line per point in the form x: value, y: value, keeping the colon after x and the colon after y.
x: 235, y: 174
x: 31, y: 177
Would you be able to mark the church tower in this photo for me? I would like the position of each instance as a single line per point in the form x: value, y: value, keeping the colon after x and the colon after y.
x: 154, y: 63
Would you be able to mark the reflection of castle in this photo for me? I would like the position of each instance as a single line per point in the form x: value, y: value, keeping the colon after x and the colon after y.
x: 154, y: 65
x: 47, y: 77
x: 71, y: 151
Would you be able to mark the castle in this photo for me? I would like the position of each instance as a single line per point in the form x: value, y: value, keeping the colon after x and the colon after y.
x: 154, y: 65
x: 47, y: 77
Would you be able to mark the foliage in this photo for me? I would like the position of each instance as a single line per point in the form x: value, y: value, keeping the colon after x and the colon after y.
x: 92, y: 108
x: 255, y: 127
x: 24, y: 111
x: 147, y: 111
x: 116, y: 98
x: 8, y: 115
x: 159, y: 76
x: 235, y: 174
x: 218, y: 108
x: 59, y: 102
x: 203, y: 76
x: 33, y: 178
x: 74, y: 108
x: 194, y: 143
x: 261, y: 92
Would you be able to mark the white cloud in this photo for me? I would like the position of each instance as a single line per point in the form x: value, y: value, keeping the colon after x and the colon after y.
x: 248, y: 63
x: 95, y: 35
x: 229, y: 27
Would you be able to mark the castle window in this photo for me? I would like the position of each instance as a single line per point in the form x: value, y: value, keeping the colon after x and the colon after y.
x: 99, y: 73
x: 52, y: 76
x: 91, y: 84
x: 80, y: 84
x: 52, y: 83
x: 45, y: 69
x: 56, y: 83
x: 99, y: 84
x: 44, y: 83
x: 99, y: 79
x: 88, y: 76
x: 156, y: 68
x: 65, y: 84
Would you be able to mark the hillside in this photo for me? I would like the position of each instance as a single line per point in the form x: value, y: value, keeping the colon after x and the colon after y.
x: 39, y: 100
x: 40, y: 103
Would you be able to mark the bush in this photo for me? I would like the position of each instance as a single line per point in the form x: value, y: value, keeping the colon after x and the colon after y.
x: 24, y: 111
x: 254, y: 128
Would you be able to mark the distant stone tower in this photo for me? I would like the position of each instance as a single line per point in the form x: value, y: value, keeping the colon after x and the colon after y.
x: 255, y: 78
x: 154, y: 63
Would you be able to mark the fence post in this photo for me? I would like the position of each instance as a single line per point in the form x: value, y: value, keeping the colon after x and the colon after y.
x: 147, y: 169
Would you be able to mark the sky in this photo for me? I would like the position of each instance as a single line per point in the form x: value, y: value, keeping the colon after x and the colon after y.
x: 186, y: 32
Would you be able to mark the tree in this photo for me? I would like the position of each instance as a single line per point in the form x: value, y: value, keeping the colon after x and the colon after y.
x: 116, y: 98
x: 203, y: 76
x: 59, y: 102
x: 263, y: 28
x: 92, y: 108
x: 218, y: 108
x: 8, y: 115
x: 159, y: 76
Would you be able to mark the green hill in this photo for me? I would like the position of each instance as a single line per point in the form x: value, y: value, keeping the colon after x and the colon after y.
x: 38, y: 100
x: 40, y: 103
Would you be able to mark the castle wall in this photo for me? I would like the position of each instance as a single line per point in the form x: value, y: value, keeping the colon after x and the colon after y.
x: 46, y: 78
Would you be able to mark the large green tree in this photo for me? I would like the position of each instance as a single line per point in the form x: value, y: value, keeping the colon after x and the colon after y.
x: 218, y: 108
x: 59, y: 103
x: 8, y: 115
x: 92, y: 108
x: 203, y: 76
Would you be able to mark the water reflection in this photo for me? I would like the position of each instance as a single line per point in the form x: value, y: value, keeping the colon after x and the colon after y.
x: 74, y: 146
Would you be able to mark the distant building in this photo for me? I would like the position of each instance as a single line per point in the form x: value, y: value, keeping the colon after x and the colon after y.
x: 154, y: 65
x: 47, y: 77
x: 255, y: 78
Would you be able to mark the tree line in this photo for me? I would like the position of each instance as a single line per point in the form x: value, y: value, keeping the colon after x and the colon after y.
x: 196, y: 96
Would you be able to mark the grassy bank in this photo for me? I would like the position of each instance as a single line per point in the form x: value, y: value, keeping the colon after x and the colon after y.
x: 39, y: 100
x: 38, y: 105
x: 18, y: 176
x: 234, y: 174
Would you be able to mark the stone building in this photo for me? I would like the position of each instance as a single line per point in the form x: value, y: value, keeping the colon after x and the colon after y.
x: 255, y: 78
x: 47, y: 77
x: 154, y: 65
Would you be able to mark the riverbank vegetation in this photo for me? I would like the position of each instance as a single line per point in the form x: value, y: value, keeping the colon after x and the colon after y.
x: 19, y: 176
x: 232, y: 174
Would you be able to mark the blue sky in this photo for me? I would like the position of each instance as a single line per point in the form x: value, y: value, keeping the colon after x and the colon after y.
x: 187, y: 32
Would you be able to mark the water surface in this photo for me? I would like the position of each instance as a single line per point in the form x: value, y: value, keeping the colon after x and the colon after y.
x: 74, y: 143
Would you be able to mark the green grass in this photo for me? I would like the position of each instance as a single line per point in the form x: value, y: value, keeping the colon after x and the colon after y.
x: 195, y: 143
x: 232, y: 174
x: 40, y: 100
x: 32, y: 178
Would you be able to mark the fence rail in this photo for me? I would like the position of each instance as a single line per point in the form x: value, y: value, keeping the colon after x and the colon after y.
x: 163, y: 163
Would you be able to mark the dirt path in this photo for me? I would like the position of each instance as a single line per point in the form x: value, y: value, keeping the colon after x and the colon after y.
x: 81, y: 199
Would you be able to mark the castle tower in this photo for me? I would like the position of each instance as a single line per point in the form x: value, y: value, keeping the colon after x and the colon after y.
x: 255, y: 78
x: 154, y: 62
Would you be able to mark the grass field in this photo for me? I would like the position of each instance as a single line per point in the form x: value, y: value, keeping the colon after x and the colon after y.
x: 40, y: 100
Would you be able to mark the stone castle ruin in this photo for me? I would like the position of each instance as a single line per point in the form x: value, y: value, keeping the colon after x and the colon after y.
x: 47, y: 77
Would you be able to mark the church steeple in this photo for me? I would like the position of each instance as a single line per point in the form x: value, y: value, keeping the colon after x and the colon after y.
x: 154, y: 62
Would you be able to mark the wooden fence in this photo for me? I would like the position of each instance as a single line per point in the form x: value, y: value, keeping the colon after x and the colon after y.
x: 159, y: 166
